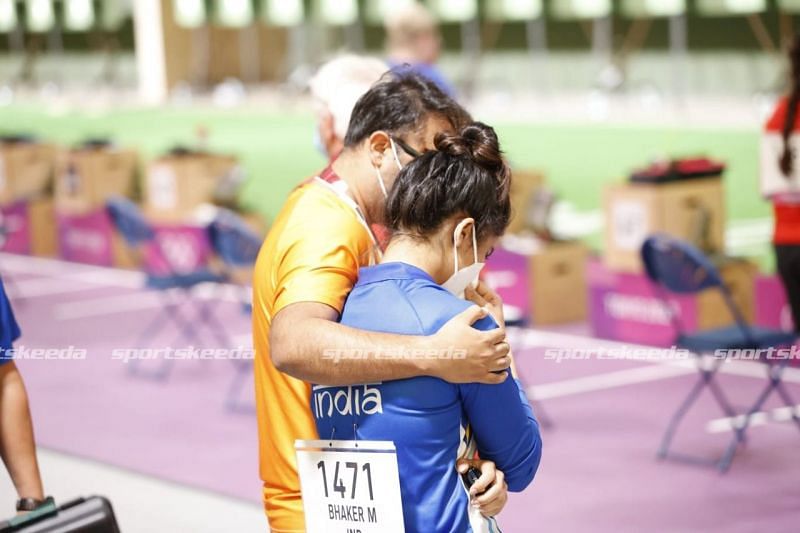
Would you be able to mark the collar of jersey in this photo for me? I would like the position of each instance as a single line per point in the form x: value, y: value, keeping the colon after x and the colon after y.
x: 392, y: 270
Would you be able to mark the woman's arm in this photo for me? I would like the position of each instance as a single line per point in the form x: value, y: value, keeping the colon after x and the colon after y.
x: 17, y: 447
x: 505, y: 428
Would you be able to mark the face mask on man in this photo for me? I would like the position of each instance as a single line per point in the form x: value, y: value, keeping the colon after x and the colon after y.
x: 461, y: 279
x: 319, y: 146
x: 378, y: 171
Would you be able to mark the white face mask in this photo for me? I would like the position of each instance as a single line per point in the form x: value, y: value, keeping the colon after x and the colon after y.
x: 378, y: 171
x: 461, y: 279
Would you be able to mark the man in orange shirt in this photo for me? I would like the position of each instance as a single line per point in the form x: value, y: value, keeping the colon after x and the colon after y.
x: 308, y: 265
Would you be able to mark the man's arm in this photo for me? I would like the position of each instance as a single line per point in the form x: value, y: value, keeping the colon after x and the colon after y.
x: 17, y: 447
x: 307, y: 342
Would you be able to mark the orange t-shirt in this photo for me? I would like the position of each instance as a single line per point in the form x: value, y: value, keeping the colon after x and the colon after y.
x: 311, y: 254
x: 786, y: 207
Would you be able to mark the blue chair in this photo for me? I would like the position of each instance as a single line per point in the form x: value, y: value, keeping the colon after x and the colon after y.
x: 237, y: 246
x: 175, y: 287
x: 678, y: 267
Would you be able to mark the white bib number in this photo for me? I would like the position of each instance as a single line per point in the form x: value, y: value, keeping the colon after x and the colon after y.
x: 350, y: 486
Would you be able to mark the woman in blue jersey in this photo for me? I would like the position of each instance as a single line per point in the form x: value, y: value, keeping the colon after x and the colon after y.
x: 446, y: 210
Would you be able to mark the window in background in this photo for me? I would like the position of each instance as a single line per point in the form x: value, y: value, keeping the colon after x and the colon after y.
x: 234, y: 13
x: 40, y: 17
x: 581, y: 9
x: 78, y: 15
x: 284, y: 12
x: 114, y: 13
x: 653, y: 8
x: 377, y: 10
x: 789, y: 6
x: 514, y: 10
x: 454, y: 10
x: 338, y: 12
x: 731, y: 7
x: 189, y: 13
x: 8, y: 16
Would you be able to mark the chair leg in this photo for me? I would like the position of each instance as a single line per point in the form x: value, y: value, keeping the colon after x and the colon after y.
x: 170, y: 311
x: 206, y: 317
x: 740, y: 429
x: 720, y: 396
x: 233, y: 401
x: 680, y: 413
x: 187, y: 332
x: 215, y: 327
x: 788, y: 401
x: 156, y: 324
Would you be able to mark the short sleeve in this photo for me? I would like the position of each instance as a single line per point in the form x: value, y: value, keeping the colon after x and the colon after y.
x: 9, y: 330
x: 320, y: 253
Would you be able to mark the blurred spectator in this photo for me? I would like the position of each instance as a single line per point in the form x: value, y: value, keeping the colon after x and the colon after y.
x: 336, y: 87
x: 786, y: 119
x: 413, y: 42
x: 17, y: 447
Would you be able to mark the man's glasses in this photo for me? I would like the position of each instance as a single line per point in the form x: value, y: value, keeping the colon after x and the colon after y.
x: 406, y: 148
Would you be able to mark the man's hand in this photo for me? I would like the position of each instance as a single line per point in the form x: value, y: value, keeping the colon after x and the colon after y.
x: 487, y: 351
x: 484, y: 296
x: 490, y: 492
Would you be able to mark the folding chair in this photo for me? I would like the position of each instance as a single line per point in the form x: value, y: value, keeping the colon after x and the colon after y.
x: 237, y: 246
x: 676, y: 266
x: 175, y: 287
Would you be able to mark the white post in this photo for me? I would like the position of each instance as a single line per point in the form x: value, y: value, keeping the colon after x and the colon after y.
x: 150, y: 58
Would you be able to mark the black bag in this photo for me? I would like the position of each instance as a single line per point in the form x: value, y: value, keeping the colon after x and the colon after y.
x: 83, y: 515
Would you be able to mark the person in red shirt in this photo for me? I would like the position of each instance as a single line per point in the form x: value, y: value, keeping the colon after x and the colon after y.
x: 786, y: 121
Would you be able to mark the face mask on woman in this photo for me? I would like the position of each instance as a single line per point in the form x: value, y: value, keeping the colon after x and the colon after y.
x: 461, y: 279
x: 378, y: 171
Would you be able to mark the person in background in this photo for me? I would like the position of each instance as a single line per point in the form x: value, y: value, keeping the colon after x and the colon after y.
x: 309, y: 263
x: 413, y: 42
x: 447, y: 209
x: 17, y: 446
x: 335, y: 89
x: 786, y: 239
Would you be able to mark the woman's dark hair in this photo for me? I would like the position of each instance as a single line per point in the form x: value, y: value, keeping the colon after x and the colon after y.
x: 400, y: 103
x: 466, y: 173
x: 786, y: 162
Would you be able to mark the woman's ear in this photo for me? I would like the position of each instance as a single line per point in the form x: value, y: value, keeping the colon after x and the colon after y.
x: 464, y: 229
x: 378, y: 143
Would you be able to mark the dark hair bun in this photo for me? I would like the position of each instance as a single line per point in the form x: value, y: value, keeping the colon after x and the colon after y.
x: 477, y: 141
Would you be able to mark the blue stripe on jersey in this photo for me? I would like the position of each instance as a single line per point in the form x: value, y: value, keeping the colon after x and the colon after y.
x: 424, y: 416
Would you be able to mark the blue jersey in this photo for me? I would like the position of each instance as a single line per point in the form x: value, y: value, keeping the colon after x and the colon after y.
x: 9, y: 330
x: 428, y: 418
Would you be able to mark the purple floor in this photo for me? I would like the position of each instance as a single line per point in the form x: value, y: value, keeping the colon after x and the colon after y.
x: 599, y: 472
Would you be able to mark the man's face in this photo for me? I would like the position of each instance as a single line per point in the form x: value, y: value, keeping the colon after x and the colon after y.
x: 429, y: 46
x: 408, y: 147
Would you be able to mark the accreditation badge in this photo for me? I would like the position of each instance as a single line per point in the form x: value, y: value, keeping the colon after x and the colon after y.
x: 350, y: 486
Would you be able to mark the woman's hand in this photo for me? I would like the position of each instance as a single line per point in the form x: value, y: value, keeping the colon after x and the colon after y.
x: 490, y: 492
x: 485, y: 297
